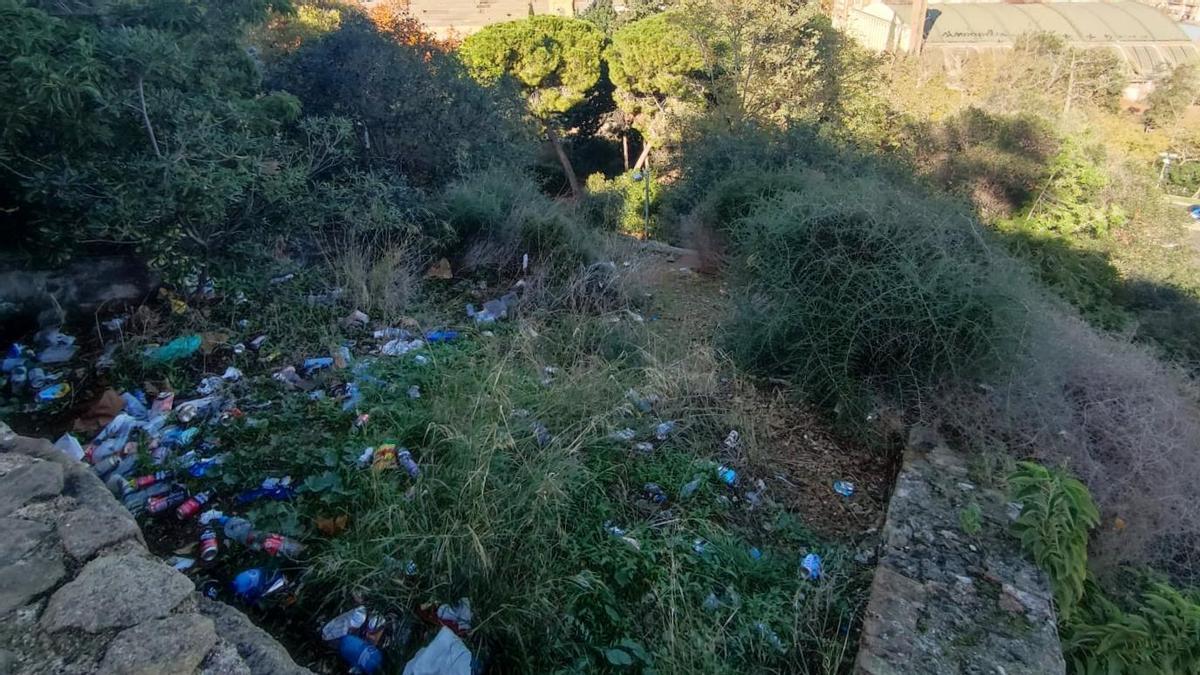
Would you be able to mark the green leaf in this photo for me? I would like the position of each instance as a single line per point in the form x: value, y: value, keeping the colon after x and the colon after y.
x: 618, y: 657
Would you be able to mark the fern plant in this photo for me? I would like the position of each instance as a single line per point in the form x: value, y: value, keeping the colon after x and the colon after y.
x: 1161, y: 635
x: 1057, y: 513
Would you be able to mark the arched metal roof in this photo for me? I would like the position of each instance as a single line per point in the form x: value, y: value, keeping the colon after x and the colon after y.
x: 1146, y: 38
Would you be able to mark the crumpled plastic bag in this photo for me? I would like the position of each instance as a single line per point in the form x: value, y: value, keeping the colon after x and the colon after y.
x: 445, y: 655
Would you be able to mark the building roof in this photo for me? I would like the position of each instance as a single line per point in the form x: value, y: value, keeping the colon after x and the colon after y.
x: 1145, y: 37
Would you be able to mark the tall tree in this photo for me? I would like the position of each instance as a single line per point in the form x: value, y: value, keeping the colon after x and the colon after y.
x: 555, y: 61
x: 659, y: 70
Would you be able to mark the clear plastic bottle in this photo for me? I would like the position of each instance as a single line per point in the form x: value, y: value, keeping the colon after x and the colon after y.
x: 243, y: 532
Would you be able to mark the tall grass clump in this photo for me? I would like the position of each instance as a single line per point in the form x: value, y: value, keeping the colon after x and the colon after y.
x: 853, y: 286
x: 499, y: 215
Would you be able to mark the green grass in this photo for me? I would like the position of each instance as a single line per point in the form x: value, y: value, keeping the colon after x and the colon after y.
x: 519, y: 528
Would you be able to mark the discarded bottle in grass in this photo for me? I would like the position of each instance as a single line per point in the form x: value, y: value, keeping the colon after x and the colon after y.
x: 277, y: 489
x: 197, y: 407
x: 843, y: 488
x: 441, y: 336
x: 811, y: 564
x: 252, y: 585
x: 771, y: 637
x: 163, y: 403
x: 733, y: 440
x: 700, y: 546
x: 624, y: 435
x: 193, y: 504
x: 755, y: 554
x: 653, y: 492
x: 320, y: 363
x: 243, y: 532
x: 690, y: 488
x: 727, y: 475
x: 400, y: 346
x: 210, y: 545
x: 162, y: 503
x: 405, y: 458
x: 392, y: 334
x: 421, y: 360
x: 205, y: 466
x: 414, y: 392
x: 342, y: 357
x: 344, y: 624
x: 644, y: 447
x: 362, y: 656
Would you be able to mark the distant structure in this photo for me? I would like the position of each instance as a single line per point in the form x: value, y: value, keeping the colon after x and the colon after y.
x: 463, y: 17
x: 1149, y: 41
x: 1180, y: 10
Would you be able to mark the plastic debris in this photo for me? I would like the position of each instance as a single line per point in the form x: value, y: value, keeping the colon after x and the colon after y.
x: 493, y: 310
x: 53, y: 393
x: 644, y: 447
x: 663, y: 430
x: 700, y: 546
x: 253, y: 585
x: 624, y: 435
x: 421, y: 360
x: 319, y: 363
x: 770, y: 636
x: 733, y: 440
x: 344, y: 624
x: 69, y: 447
x: 56, y: 347
x: 231, y: 374
x: 405, y: 459
x: 164, y: 502
x: 401, y: 346
x: 690, y: 488
x: 541, y: 434
x: 282, y: 279
x: 210, y: 546
x: 181, y: 563
x: 441, y: 336
x: 243, y: 532
x: 755, y: 553
x: 726, y: 475
x: 193, y: 505
x: 275, y: 489
x: 811, y: 564
x: 360, y: 655
x: 644, y: 404
x: 843, y: 488
x: 179, y: 348
x: 456, y: 617
x: 653, y: 492
x: 445, y: 655
x: 414, y: 392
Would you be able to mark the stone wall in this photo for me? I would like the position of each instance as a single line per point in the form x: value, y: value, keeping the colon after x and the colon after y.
x: 80, y: 593
x: 947, y: 598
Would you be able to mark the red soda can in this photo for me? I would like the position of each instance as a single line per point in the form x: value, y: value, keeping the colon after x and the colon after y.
x: 163, y: 502
x: 209, y: 545
x: 140, y: 482
x: 193, y: 505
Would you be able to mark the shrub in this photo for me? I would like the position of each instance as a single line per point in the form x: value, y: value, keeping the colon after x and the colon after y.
x: 499, y: 215
x: 855, y: 286
x: 1056, y: 515
x: 619, y: 204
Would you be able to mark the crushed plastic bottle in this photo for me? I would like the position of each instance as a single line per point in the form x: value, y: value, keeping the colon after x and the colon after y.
x: 362, y: 656
x: 275, y: 489
x: 319, y: 363
x: 164, y: 502
x: 493, y: 310
x: 405, y: 459
x: 644, y: 447
x: 811, y: 564
x: 441, y: 336
x: 663, y: 430
x: 400, y: 346
x: 344, y: 624
x: 414, y: 392
x: 726, y: 475
x: 690, y: 487
x: 843, y: 488
x: 624, y: 435
x: 733, y: 440
x: 142, y: 482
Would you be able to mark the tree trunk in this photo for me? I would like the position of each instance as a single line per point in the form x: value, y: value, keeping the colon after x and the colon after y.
x: 576, y: 189
x: 642, y: 158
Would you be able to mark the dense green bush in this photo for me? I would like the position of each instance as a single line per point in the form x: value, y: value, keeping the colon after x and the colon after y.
x: 497, y: 216
x: 855, y: 285
x: 619, y: 204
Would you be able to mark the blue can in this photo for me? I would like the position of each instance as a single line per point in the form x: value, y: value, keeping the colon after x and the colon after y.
x: 360, y: 655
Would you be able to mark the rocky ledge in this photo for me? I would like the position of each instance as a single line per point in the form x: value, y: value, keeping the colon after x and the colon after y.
x: 80, y: 593
x: 953, y: 592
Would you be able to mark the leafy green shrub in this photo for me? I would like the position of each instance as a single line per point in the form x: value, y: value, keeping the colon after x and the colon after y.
x: 1158, y: 633
x: 619, y: 204
x: 1056, y: 514
x: 853, y: 286
x: 499, y: 215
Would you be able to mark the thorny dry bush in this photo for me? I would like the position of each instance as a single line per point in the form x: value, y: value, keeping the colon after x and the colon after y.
x: 1127, y: 424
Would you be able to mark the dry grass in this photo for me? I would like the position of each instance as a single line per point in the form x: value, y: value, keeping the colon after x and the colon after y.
x: 379, y: 274
x: 1127, y: 424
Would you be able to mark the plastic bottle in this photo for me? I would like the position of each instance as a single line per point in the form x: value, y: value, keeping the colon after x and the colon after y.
x: 405, y: 458
x: 142, y: 482
x: 256, y: 583
x: 362, y: 656
x: 243, y: 532
x: 160, y: 503
x: 727, y: 475
x: 344, y: 624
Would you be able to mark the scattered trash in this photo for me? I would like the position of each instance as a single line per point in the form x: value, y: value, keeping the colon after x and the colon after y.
x: 456, y: 617
x: 253, y: 585
x: 179, y: 348
x: 444, y: 655
x: 360, y: 655
x: 275, y: 489
x: 755, y: 554
x: 193, y: 504
x: 414, y: 392
x: 164, y: 502
x: 56, y: 347
x: 663, y: 430
x: 690, y: 488
x: 257, y: 343
x: 644, y: 447
x: 441, y: 336
x: 421, y: 360
x: 653, y: 492
x: 726, y: 475
x: 700, y: 546
x: 733, y: 440
x: 843, y: 488
x: 283, y: 278
x: 771, y: 637
x: 811, y: 564
x: 622, y: 534
x: 69, y: 447
x: 209, y: 545
x: 243, y: 532
x: 319, y: 363
x: 181, y: 563
x: 624, y: 435
x: 493, y: 310
x: 355, y: 319
x: 401, y: 346
x: 404, y: 457
x: 53, y: 393
x: 541, y: 434
x: 344, y: 624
